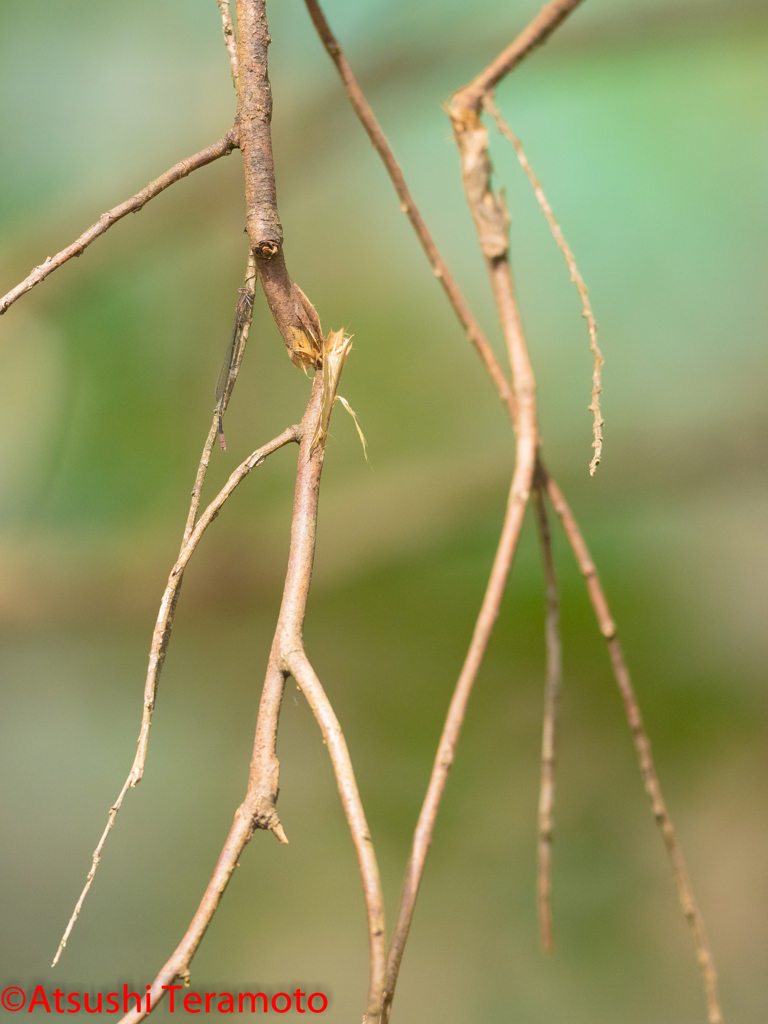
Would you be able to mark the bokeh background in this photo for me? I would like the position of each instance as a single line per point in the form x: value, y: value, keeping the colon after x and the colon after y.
x: 646, y: 121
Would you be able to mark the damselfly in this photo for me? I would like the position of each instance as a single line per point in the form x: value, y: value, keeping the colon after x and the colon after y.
x: 233, y: 358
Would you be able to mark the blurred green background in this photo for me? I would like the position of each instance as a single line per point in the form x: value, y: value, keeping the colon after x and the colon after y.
x: 646, y: 122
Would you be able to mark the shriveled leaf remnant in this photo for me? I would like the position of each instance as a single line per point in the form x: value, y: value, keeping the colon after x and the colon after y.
x: 353, y: 414
x: 336, y: 348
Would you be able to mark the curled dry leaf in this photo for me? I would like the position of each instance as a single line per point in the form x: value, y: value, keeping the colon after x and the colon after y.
x: 304, y: 337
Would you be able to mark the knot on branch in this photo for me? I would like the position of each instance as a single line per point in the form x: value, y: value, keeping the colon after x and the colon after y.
x: 488, y: 210
x: 266, y: 249
x: 264, y: 816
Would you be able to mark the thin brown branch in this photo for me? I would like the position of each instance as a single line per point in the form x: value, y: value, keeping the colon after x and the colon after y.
x: 258, y: 809
x: 578, y: 280
x: 491, y: 223
x: 642, y: 746
x: 162, y: 625
x: 300, y: 326
x: 230, y: 42
x: 551, y: 692
x: 291, y: 658
x: 368, y: 120
x: 162, y: 632
x: 294, y: 314
x: 536, y: 33
x: 446, y: 750
x: 305, y: 676
x: 160, y: 640
x: 180, y: 170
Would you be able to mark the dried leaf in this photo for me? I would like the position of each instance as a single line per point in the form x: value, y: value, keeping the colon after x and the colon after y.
x: 336, y: 348
x: 351, y: 412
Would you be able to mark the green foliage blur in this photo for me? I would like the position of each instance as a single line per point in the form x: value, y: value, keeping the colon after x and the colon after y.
x: 646, y: 122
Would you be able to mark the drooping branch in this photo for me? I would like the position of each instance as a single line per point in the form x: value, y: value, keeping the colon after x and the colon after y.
x: 642, y: 745
x: 491, y: 223
x: 301, y: 670
x: 258, y: 808
x: 164, y: 625
x: 449, y: 738
x: 551, y: 691
x: 180, y: 170
x: 300, y: 327
x: 162, y: 632
x: 551, y: 15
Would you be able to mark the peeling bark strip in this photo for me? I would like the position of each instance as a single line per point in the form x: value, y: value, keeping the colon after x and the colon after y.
x: 294, y: 314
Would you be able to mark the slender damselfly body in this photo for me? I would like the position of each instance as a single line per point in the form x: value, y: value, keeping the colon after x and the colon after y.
x: 233, y: 357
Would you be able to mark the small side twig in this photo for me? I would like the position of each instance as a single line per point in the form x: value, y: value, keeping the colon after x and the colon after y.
x: 230, y: 42
x: 162, y: 633
x: 258, y: 810
x: 642, y: 746
x: 594, y: 407
x: 301, y: 670
x: 180, y: 170
x: 553, y: 676
x: 407, y: 204
x: 533, y: 35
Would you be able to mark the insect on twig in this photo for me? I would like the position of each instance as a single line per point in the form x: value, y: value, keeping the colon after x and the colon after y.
x: 233, y: 357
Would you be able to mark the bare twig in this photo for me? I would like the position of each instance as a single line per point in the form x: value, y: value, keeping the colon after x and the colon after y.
x: 368, y: 120
x: 491, y: 223
x: 164, y: 619
x: 642, y: 746
x: 164, y: 625
x: 305, y: 676
x: 180, y: 170
x: 258, y: 810
x: 300, y: 326
x: 162, y: 632
x: 229, y: 36
x: 446, y: 750
x: 551, y: 692
x: 578, y: 280
x: 536, y: 33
